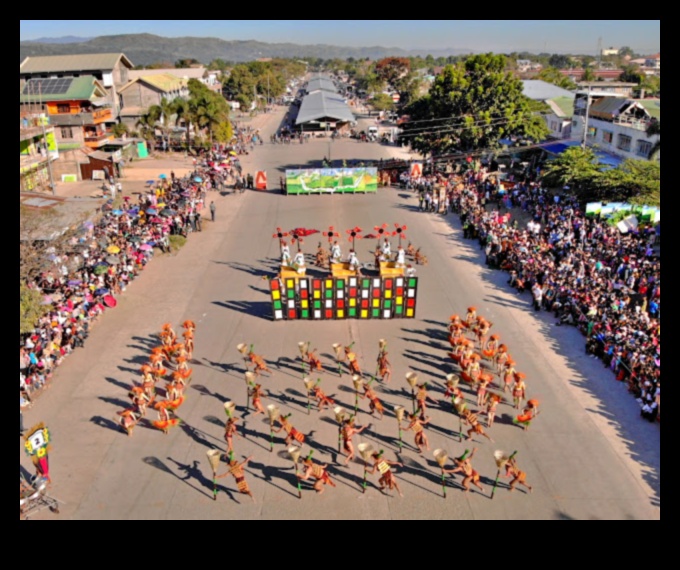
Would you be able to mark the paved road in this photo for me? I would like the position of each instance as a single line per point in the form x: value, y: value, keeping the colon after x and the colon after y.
x: 588, y: 456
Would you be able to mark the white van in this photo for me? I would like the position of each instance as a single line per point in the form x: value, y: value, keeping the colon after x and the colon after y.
x: 372, y: 133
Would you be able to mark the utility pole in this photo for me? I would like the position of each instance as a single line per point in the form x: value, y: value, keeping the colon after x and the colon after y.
x: 585, y: 120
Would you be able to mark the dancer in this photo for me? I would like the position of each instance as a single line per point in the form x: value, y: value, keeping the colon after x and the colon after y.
x: 189, y: 343
x: 470, y: 317
x: 416, y: 426
x: 422, y: 397
x: 321, y: 256
x: 353, y: 363
x: 230, y: 430
x: 291, y: 433
x: 374, y: 404
x: 384, y: 367
x: 400, y: 259
x: 528, y: 414
x: 519, y: 389
x: 258, y: 361
x: 508, y: 375
x: 481, y: 391
x: 164, y: 421
x: 491, y: 348
x: 354, y: 263
x: 464, y: 466
x: 321, y: 399
x: 520, y: 477
x: 501, y: 358
x: 386, y: 248
x: 336, y: 253
x: 475, y: 427
x: 256, y: 394
x: 313, y: 361
x: 387, y: 479
x: 129, y: 418
x: 491, y: 406
x: 285, y: 253
x: 318, y: 471
x: 236, y: 469
x: 348, y: 432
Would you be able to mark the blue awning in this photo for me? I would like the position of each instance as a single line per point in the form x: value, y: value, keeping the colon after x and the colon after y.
x: 605, y: 158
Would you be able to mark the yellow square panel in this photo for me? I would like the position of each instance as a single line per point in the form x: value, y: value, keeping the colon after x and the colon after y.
x: 352, y: 302
x: 329, y: 283
x: 290, y: 283
x: 400, y: 301
x: 376, y: 302
x: 341, y: 313
x: 304, y: 304
x: 364, y: 313
x: 409, y: 312
x: 276, y: 295
x: 317, y: 294
x: 388, y: 294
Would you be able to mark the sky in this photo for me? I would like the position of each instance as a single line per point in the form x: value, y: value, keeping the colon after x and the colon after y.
x: 501, y: 36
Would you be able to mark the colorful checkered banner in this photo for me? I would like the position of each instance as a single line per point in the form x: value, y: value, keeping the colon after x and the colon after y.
x: 331, y: 180
x: 337, y: 298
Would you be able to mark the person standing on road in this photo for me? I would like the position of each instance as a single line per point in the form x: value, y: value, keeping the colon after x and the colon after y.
x: 212, y: 211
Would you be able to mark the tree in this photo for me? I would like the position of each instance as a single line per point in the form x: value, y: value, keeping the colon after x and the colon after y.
x: 163, y: 112
x: 588, y: 74
x: 632, y: 74
x: 553, y: 75
x: 30, y: 308
x: 635, y: 181
x: 382, y: 102
x: 120, y: 129
x: 576, y: 167
x: 626, y: 50
x: 559, y: 61
x: 391, y: 69
x: 186, y: 63
x: 470, y: 107
x: 654, y: 129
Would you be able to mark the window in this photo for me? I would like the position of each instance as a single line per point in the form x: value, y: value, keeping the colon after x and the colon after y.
x: 63, y: 108
x: 643, y: 149
x: 592, y: 132
x: 607, y: 137
x: 66, y: 133
x: 624, y: 142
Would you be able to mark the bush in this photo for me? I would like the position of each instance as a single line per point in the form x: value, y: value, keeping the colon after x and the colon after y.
x: 30, y: 308
x: 176, y: 242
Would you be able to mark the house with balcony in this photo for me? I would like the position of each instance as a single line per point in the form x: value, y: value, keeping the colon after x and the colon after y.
x: 110, y: 69
x: 78, y: 108
x: 559, y: 105
x: 37, y: 149
x: 148, y: 90
x: 616, y: 125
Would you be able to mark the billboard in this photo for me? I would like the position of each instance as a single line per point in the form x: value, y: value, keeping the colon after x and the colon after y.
x: 331, y: 180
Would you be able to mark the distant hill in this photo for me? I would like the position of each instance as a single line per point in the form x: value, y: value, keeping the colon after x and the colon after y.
x: 61, y: 40
x: 144, y: 49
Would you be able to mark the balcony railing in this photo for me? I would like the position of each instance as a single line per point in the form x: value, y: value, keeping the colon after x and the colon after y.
x: 638, y: 124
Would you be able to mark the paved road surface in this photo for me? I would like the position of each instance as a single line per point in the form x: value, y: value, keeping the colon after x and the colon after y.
x: 588, y: 455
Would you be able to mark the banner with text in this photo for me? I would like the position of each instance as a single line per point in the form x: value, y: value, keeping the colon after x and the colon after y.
x: 331, y: 180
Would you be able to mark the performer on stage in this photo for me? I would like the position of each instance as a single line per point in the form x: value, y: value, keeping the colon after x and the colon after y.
x: 256, y: 394
x: 336, y: 253
x: 416, y: 426
x: 236, y: 469
x: 472, y: 420
x: 400, y: 260
x: 528, y: 414
x: 374, y: 403
x: 384, y: 367
x: 285, y: 253
x: 291, y: 433
x: 353, y: 363
x: 511, y: 470
x: 386, y: 248
x: 299, y: 263
x: 353, y: 261
x: 319, y: 472
x: 321, y: 399
x: 321, y: 256
x: 348, y: 432
x: 464, y: 466
x: 387, y: 479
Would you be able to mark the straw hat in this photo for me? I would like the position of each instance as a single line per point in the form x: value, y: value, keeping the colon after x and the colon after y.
x: 471, y: 309
x: 495, y: 336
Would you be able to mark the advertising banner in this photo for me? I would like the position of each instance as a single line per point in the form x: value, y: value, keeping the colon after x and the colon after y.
x: 331, y: 180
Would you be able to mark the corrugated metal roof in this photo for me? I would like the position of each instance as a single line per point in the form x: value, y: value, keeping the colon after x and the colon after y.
x: 189, y: 73
x: 562, y: 106
x: 320, y: 83
x: 74, y: 62
x: 653, y: 106
x: 542, y: 90
x: 609, y: 106
x: 162, y: 82
x: 80, y: 89
x: 321, y: 105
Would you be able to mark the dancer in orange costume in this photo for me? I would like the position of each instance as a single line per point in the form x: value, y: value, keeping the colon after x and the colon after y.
x: 452, y: 390
x: 183, y: 367
x: 422, y: 397
x: 353, y: 363
x: 455, y: 323
x: 475, y: 427
x: 291, y: 433
x: 528, y: 414
x: 481, y: 391
x: 508, y: 374
x: 519, y: 389
x: 168, y: 335
x: 189, y: 343
x: 470, y: 317
x: 482, y: 331
x: 189, y: 326
x: 256, y: 394
x: 519, y: 477
x: 258, y: 361
x: 139, y: 398
x: 502, y: 356
x: 236, y: 469
x: 319, y: 472
x: 313, y: 361
x: 491, y: 348
x: 374, y: 403
x: 416, y: 426
x: 164, y: 421
x: 464, y: 466
x: 387, y: 479
x: 348, y: 432
x: 230, y: 430
x: 384, y: 367
x: 129, y: 418
x: 321, y: 399
x: 491, y: 406
x: 473, y: 370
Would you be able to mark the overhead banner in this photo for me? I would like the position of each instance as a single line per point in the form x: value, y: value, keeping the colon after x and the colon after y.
x: 332, y: 180
x: 416, y: 170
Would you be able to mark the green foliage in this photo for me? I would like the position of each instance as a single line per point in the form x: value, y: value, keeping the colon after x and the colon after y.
x: 392, y: 70
x: 560, y: 61
x: 120, y: 129
x: 576, y: 167
x: 469, y: 107
x: 186, y: 62
x: 176, y: 242
x: 654, y: 129
x: 382, y: 102
x: 553, y: 75
x: 30, y: 308
x: 635, y: 181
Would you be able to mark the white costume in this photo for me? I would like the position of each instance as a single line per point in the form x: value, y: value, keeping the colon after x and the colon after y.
x: 285, y: 255
x: 386, y: 248
x: 299, y: 262
x: 336, y: 254
x: 401, y: 257
x: 353, y: 261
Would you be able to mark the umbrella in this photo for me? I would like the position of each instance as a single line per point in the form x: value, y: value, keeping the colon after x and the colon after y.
x: 112, y: 260
x: 74, y: 282
x: 168, y: 212
x: 150, y: 181
x: 117, y: 212
x: 232, y: 153
x: 151, y: 211
x: 113, y: 249
x: 162, y: 176
x: 198, y: 179
x: 110, y: 301
x: 101, y: 291
x: 303, y: 232
x: 371, y: 236
x: 160, y: 205
x: 145, y: 247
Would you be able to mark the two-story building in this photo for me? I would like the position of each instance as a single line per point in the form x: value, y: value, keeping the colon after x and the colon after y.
x: 37, y: 148
x: 559, y: 105
x: 148, y: 90
x: 622, y: 88
x: 616, y: 124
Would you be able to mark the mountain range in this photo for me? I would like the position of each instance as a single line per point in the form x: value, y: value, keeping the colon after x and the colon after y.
x: 145, y: 49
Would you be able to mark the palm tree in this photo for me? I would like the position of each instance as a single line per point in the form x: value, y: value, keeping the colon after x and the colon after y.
x: 654, y: 129
x: 164, y: 112
x: 147, y: 125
